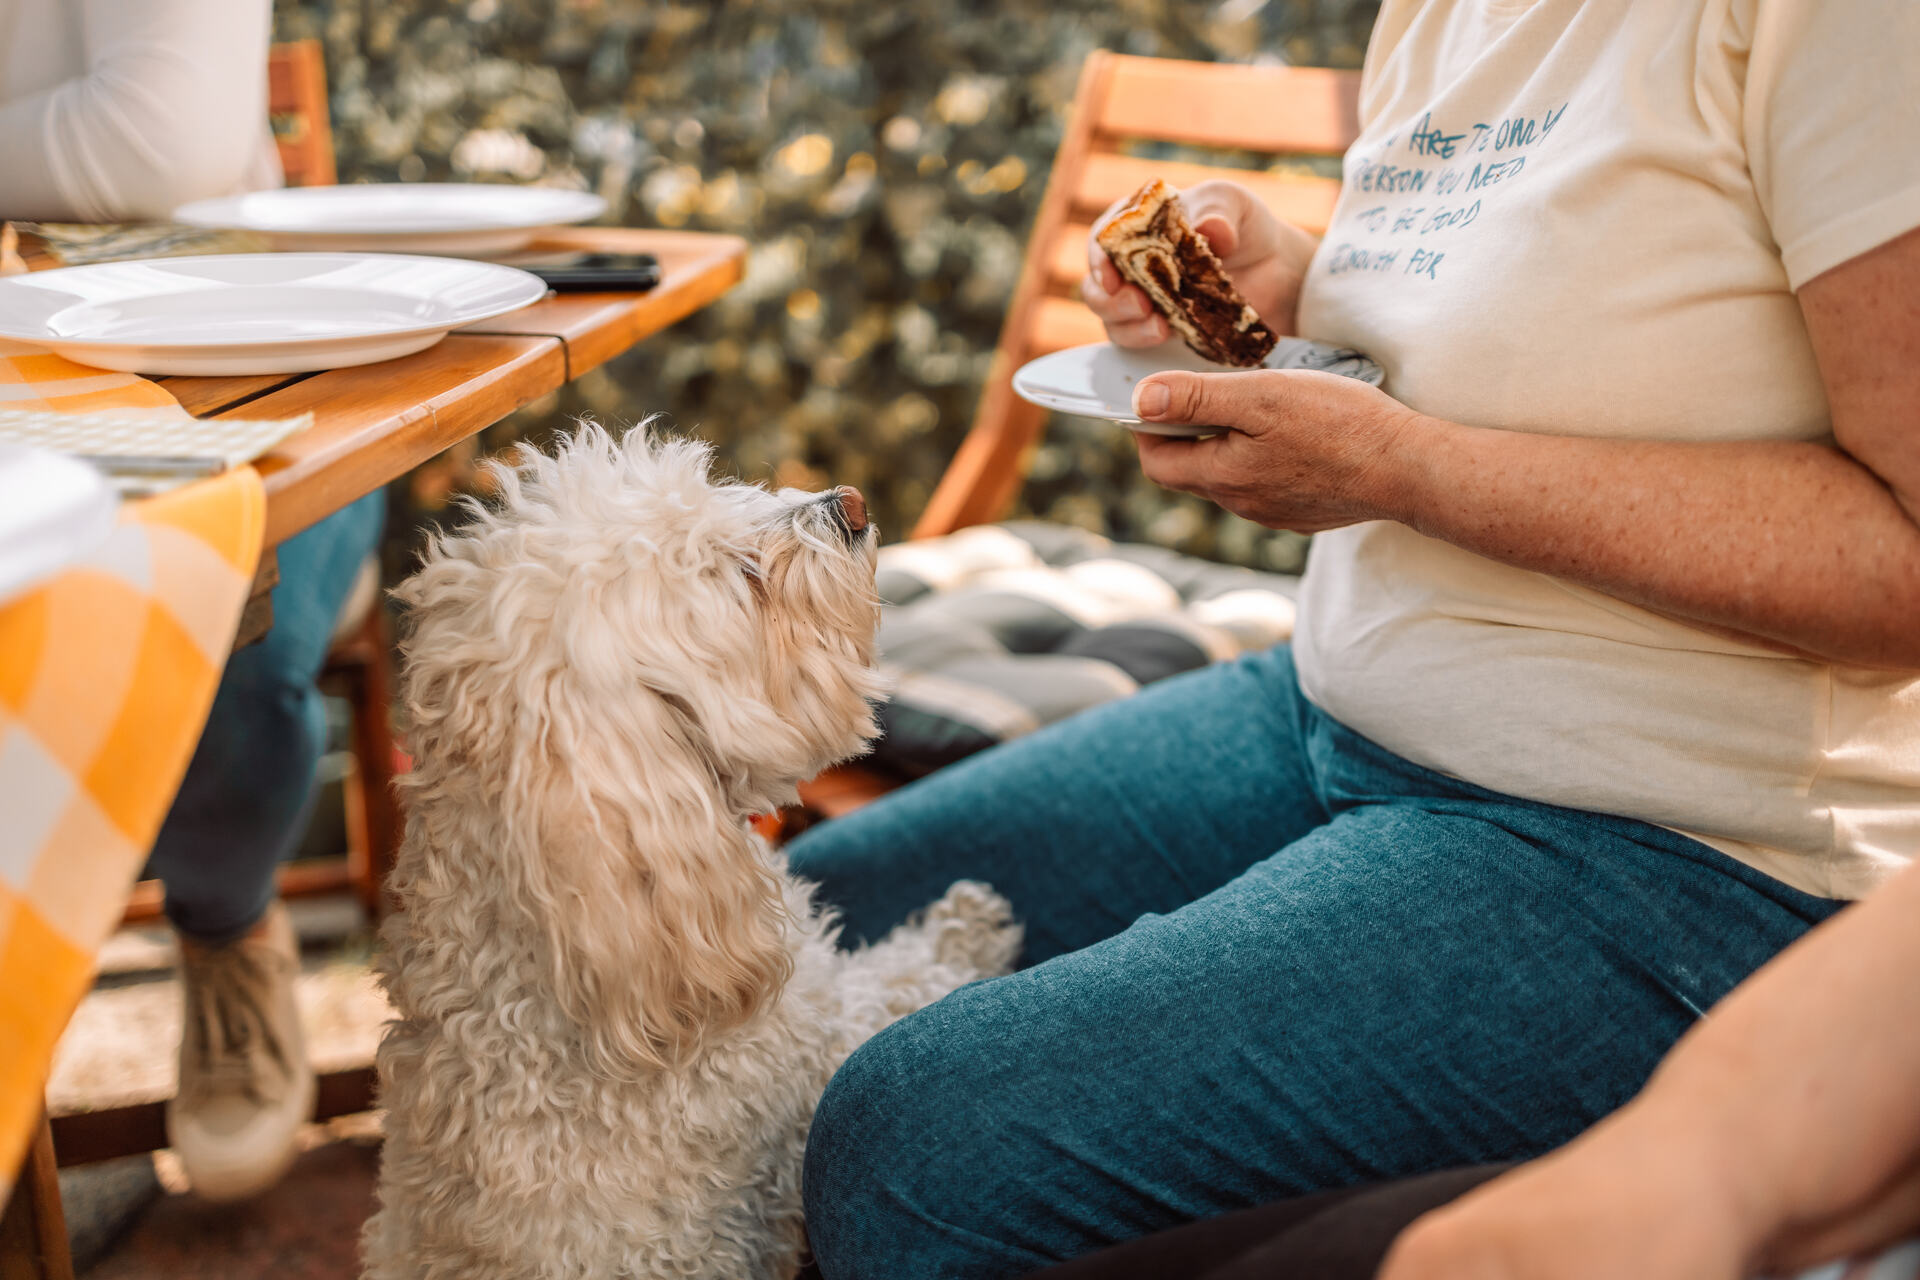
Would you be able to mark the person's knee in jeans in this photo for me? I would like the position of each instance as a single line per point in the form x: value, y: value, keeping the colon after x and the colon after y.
x: 854, y: 1165
x: 872, y: 1201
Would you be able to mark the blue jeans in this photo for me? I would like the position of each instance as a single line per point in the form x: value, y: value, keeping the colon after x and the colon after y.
x: 1267, y: 958
x: 244, y: 799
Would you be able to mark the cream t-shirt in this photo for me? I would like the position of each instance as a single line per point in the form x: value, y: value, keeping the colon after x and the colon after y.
x: 1588, y: 218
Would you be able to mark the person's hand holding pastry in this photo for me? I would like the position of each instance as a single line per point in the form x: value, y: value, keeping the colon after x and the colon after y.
x: 1296, y: 449
x: 1261, y: 259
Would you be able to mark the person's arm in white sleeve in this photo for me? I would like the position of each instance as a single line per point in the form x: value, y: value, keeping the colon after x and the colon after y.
x: 172, y: 107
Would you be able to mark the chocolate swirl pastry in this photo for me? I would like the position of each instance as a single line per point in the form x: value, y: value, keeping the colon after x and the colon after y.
x: 1154, y: 246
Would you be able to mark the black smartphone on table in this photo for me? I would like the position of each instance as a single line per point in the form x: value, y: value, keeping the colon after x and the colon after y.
x: 603, y: 273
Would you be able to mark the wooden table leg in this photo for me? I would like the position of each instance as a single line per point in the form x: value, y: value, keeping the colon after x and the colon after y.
x: 256, y: 619
x: 33, y: 1229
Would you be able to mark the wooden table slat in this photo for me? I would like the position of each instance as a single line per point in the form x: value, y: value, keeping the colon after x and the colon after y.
x: 378, y: 421
x: 209, y: 397
x: 695, y: 268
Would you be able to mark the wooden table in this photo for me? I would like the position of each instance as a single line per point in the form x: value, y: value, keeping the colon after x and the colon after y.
x: 378, y: 421
x: 373, y: 424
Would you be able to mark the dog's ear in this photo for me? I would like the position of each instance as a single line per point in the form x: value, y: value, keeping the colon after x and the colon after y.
x: 654, y: 918
x: 660, y: 919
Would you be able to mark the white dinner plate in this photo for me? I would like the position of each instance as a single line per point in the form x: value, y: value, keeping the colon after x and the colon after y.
x: 1097, y: 380
x: 53, y: 511
x: 468, y: 220
x: 255, y: 312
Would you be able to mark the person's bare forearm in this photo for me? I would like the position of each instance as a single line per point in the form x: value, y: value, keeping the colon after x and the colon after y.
x: 1801, y: 1083
x: 1791, y: 544
x: 1809, y: 548
x: 1783, y: 1131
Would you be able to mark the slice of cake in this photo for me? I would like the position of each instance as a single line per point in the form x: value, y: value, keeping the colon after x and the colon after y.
x: 1154, y: 246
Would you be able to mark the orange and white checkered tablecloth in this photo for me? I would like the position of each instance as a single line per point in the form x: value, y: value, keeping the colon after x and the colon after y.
x: 106, y: 675
x: 35, y: 379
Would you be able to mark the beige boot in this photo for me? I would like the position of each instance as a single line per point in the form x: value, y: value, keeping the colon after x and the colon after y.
x: 246, y: 1086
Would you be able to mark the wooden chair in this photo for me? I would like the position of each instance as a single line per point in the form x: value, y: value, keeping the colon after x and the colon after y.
x: 1271, y: 112
x: 297, y: 107
x: 359, y: 666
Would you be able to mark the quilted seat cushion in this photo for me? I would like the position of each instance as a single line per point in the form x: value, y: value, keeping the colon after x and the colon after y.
x: 991, y: 632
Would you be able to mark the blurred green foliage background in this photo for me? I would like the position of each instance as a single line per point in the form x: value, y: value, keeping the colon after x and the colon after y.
x: 885, y: 161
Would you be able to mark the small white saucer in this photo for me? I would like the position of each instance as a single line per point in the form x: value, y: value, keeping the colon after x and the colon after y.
x: 255, y: 312
x: 1097, y: 380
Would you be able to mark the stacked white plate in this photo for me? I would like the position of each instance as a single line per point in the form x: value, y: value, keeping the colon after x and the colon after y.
x: 255, y: 312
x: 466, y: 220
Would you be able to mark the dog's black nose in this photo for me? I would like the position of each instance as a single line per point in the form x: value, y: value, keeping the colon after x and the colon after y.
x: 853, y: 508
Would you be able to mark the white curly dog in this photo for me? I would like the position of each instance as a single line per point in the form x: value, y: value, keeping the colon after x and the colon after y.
x: 616, y: 1011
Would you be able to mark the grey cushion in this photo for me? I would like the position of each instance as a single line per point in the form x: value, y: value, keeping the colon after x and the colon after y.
x: 995, y: 631
x: 1147, y: 650
x: 1021, y: 623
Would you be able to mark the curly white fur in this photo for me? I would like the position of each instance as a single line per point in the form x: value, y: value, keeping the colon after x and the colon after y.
x: 616, y: 1010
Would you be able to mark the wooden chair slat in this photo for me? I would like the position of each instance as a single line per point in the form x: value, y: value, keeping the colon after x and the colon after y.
x: 1306, y: 200
x: 1067, y: 258
x: 986, y: 471
x: 842, y: 789
x: 147, y: 902
x: 297, y: 101
x: 1273, y: 109
x: 85, y: 1137
x: 1060, y: 323
x: 33, y: 1226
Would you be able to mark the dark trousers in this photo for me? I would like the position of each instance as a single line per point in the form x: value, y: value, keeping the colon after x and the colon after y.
x: 1337, y: 1235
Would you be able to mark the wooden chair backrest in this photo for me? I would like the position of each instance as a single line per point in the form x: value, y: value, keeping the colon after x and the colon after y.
x: 297, y: 106
x: 1274, y: 111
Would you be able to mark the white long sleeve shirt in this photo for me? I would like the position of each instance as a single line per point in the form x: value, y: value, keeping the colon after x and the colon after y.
x: 113, y: 110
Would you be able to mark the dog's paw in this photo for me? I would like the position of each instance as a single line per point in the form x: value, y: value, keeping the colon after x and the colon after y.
x: 972, y: 927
